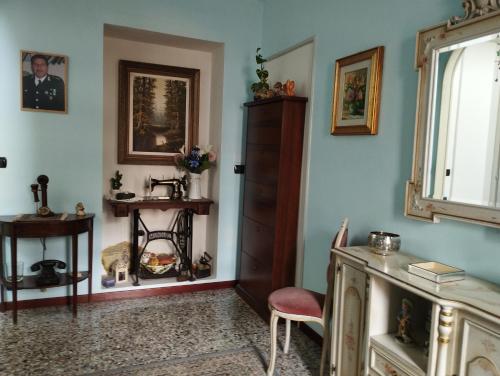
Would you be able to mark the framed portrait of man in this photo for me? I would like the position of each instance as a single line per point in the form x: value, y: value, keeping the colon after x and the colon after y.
x: 44, y: 78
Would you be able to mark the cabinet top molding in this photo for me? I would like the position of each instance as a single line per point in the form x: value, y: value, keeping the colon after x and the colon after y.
x: 470, y: 294
x: 278, y: 98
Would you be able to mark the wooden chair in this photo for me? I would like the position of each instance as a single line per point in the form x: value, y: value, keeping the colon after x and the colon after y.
x: 302, y: 305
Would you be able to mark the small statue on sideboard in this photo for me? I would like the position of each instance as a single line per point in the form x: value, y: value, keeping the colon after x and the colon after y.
x: 404, y: 322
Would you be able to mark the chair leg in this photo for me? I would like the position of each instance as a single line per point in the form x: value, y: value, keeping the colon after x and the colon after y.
x: 274, y: 341
x: 324, y: 349
x: 287, y: 337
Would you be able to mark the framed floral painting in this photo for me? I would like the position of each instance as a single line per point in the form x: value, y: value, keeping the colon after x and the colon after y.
x: 356, y: 93
x: 157, y: 112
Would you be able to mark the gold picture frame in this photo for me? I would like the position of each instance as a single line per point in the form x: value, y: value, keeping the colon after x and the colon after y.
x: 356, y: 93
x: 44, y: 82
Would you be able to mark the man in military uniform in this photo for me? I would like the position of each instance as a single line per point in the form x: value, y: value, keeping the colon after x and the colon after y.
x: 42, y: 91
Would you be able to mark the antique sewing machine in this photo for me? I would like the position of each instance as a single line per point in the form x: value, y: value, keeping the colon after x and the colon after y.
x: 173, y: 188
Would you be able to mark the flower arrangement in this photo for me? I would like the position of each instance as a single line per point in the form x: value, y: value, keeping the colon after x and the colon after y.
x: 197, y: 160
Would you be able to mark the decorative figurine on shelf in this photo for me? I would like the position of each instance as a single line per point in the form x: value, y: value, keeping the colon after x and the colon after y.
x: 404, y: 322
x: 203, y: 268
x: 278, y: 89
x: 120, y: 270
x: 80, y: 209
x: 289, y: 88
x: 44, y: 210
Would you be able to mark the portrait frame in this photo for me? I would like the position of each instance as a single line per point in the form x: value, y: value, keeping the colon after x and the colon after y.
x: 50, y: 99
x: 155, y: 138
x: 356, y: 93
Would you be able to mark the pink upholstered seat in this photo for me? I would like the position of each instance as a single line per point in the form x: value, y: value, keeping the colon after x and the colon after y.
x: 297, y: 301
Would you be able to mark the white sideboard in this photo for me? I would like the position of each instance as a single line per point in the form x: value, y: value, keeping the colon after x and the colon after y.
x: 455, y: 325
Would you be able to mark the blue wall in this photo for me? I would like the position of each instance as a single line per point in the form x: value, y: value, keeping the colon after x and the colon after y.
x: 68, y: 148
x: 363, y: 177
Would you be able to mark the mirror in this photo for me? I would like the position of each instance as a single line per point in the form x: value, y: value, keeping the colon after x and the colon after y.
x: 456, y: 166
x: 463, y: 153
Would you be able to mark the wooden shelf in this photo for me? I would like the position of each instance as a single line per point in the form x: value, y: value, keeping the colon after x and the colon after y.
x: 411, y: 356
x: 29, y: 281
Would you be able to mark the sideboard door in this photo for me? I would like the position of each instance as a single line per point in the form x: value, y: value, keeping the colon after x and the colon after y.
x: 349, y: 321
x: 480, y: 353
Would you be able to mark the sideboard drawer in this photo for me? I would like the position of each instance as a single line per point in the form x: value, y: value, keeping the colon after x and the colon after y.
x: 259, y: 202
x: 382, y: 366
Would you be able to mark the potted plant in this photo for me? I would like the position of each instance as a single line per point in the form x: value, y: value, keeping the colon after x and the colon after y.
x: 116, y: 182
x: 260, y: 89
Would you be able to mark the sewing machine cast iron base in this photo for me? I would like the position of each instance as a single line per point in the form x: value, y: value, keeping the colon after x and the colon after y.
x: 180, y: 236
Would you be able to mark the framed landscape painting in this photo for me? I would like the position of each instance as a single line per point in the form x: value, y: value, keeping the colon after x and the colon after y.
x: 356, y: 93
x: 157, y: 112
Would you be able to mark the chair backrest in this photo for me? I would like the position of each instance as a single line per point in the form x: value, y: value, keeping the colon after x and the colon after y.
x: 340, y: 240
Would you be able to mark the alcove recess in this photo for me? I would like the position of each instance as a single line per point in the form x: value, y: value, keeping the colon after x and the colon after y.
x: 124, y: 43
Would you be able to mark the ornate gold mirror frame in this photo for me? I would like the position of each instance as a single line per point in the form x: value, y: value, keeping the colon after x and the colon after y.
x: 482, y: 17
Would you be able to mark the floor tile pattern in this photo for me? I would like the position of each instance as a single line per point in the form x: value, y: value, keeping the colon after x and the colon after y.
x: 109, y: 336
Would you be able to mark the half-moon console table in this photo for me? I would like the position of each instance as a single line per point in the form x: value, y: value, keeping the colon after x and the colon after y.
x: 181, y: 238
x: 31, y: 226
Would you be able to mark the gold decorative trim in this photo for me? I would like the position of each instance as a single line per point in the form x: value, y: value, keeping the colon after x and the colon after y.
x: 446, y: 313
x: 443, y: 323
x: 443, y: 340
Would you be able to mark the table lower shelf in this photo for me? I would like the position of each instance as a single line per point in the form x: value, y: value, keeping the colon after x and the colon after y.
x: 29, y: 281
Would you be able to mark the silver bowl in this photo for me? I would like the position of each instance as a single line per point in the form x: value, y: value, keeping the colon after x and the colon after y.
x: 384, y: 243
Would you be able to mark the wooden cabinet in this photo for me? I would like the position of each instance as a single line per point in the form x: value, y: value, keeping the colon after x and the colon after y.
x: 454, y: 326
x: 274, y: 141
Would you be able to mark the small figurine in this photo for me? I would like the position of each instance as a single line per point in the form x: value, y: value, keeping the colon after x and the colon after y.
x: 80, y: 209
x: 289, y: 88
x: 404, y: 322
x: 278, y: 89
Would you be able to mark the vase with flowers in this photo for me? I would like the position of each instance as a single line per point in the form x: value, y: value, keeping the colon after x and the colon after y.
x: 195, y: 162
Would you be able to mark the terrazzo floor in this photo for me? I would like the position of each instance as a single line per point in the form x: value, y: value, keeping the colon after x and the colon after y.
x: 109, y: 336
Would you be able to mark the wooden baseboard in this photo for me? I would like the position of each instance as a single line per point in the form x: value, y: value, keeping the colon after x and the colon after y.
x: 117, y: 295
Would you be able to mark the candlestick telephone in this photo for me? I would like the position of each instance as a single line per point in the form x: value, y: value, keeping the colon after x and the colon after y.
x: 48, y: 275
